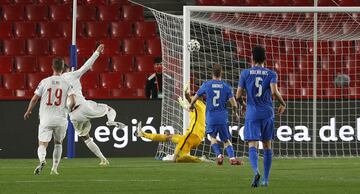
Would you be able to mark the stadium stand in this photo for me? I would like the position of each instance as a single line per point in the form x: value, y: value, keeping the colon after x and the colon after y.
x: 33, y: 32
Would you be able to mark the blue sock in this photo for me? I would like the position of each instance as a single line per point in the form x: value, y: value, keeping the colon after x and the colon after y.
x: 253, y: 157
x: 267, y: 163
x: 216, y: 149
x: 230, y: 151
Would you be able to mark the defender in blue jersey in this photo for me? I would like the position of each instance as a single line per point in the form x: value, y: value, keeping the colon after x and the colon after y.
x: 218, y: 93
x: 259, y: 83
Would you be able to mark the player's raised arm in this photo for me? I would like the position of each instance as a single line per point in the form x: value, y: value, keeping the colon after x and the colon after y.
x: 31, y: 106
x: 88, y: 64
x: 276, y: 93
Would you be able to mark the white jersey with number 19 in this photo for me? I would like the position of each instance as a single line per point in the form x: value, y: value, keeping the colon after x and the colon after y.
x: 53, y: 91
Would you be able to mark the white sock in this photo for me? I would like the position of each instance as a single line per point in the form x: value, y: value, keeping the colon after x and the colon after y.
x: 94, y: 148
x: 111, y: 114
x: 56, y: 156
x: 41, y: 153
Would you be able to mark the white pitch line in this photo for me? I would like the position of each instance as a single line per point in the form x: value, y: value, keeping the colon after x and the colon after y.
x: 94, y: 166
x: 72, y: 181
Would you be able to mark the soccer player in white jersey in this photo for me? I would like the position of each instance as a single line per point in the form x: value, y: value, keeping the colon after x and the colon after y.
x: 53, y: 92
x: 85, y: 110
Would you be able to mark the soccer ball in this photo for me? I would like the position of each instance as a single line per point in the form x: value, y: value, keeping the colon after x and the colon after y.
x: 193, y: 45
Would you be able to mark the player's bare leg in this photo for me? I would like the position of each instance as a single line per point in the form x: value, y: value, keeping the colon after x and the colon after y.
x: 41, y: 155
x: 230, y: 151
x: 111, y: 115
x: 267, y: 163
x: 215, y: 146
x: 56, y: 157
x: 95, y: 149
x: 253, y: 157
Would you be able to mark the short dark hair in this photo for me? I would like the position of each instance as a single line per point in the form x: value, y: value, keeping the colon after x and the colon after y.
x: 157, y: 60
x: 58, y: 65
x: 216, y: 70
x: 258, y: 53
x: 66, y: 66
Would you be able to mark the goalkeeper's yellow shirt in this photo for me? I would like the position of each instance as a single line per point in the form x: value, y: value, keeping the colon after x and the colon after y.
x: 197, y: 120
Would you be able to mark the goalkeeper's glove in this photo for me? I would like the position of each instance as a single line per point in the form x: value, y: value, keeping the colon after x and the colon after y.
x: 184, y: 103
x: 187, y: 88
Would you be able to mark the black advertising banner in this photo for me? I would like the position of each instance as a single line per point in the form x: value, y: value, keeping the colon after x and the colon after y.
x: 337, y: 133
x: 18, y: 138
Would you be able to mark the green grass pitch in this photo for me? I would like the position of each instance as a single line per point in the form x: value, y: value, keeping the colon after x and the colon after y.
x: 146, y: 175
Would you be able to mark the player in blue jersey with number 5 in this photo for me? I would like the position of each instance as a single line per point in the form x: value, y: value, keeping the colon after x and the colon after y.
x: 218, y: 93
x: 259, y: 83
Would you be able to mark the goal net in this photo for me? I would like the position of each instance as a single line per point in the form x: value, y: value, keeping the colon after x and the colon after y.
x: 323, y: 105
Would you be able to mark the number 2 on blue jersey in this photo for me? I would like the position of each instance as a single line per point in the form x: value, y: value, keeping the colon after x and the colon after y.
x: 259, y: 86
x: 216, y: 97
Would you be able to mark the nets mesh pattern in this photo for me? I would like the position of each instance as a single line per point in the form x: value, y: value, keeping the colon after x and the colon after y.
x: 227, y: 39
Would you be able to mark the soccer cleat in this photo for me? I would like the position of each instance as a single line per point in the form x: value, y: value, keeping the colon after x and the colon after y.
x: 138, y: 132
x: 220, y: 159
x: 236, y: 162
x: 256, y: 180
x: 206, y: 159
x: 39, y: 168
x: 115, y: 124
x: 104, y: 163
x: 264, y: 183
x: 54, y: 172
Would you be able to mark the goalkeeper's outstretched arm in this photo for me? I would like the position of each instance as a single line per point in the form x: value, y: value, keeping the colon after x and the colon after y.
x: 88, y: 64
x: 275, y: 92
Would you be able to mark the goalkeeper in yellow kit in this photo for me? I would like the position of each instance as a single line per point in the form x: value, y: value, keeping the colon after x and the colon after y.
x: 193, y: 136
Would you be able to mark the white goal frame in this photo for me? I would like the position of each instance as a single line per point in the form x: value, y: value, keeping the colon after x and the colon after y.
x: 187, y: 10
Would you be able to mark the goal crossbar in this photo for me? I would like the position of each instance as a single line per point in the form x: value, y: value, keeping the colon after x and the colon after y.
x: 282, y: 9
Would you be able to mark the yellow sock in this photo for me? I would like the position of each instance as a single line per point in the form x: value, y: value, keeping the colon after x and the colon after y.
x: 188, y: 159
x: 176, y: 138
x: 155, y: 137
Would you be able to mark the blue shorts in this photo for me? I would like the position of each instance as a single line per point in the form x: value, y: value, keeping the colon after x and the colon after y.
x: 259, y: 130
x: 222, y: 130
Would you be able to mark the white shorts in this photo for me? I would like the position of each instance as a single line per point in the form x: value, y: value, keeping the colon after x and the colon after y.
x: 47, y: 132
x: 82, y: 128
x: 81, y: 116
x: 88, y: 110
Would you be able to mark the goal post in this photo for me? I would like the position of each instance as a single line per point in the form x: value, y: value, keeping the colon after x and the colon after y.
x: 186, y: 58
x: 313, y: 50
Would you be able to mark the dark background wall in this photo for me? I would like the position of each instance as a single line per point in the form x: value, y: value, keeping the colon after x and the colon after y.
x: 18, y: 138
